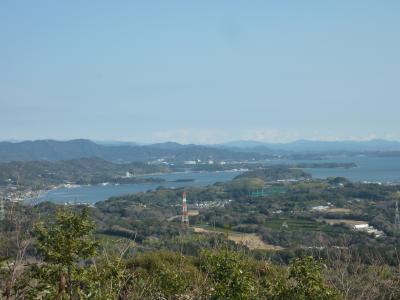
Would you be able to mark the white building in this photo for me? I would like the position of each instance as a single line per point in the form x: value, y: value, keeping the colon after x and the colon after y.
x: 361, y: 226
x: 365, y: 227
x: 320, y: 208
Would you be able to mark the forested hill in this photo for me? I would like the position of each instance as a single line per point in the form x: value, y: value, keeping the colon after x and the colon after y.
x: 63, y: 150
x: 275, y: 173
x: 80, y: 171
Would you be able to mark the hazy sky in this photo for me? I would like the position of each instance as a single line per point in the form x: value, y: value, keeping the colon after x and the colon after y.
x: 199, y: 71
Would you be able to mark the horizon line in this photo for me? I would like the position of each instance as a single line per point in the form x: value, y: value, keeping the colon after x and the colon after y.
x: 113, y: 141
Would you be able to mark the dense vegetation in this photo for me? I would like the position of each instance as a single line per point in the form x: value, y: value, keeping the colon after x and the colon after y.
x: 71, y: 264
x: 283, y: 216
x: 80, y: 171
x: 258, y: 236
x: 275, y: 173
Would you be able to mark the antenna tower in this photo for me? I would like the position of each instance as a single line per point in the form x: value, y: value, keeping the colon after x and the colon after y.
x: 397, y: 217
x: 185, y: 215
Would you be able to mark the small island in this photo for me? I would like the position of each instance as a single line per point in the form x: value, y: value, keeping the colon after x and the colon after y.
x: 327, y: 165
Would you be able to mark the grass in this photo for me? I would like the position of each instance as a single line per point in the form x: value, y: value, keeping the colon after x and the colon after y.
x: 310, y: 185
x: 293, y: 224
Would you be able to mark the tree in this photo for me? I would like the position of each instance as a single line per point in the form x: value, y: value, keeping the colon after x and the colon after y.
x: 64, y: 243
x: 229, y: 272
x: 15, y: 239
x: 305, y: 281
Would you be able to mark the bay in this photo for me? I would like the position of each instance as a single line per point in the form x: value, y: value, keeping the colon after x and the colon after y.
x: 369, y: 169
x: 95, y: 193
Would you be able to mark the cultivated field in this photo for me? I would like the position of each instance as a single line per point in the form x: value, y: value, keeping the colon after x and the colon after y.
x: 250, y: 240
x: 338, y: 210
x: 344, y: 221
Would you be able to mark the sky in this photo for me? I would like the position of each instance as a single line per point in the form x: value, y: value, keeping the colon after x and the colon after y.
x: 200, y: 71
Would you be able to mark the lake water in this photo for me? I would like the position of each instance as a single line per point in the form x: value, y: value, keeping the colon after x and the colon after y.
x: 95, y: 193
x: 371, y: 169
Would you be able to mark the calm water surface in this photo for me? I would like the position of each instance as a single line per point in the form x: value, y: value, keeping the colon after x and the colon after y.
x: 371, y: 169
x: 95, y: 193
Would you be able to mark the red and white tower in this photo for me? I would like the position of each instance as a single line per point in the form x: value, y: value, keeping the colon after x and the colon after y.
x: 185, y: 215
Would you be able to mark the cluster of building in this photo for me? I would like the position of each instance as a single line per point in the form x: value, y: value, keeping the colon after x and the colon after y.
x: 210, y: 204
x: 365, y: 227
x: 198, y: 161
x: 322, y: 207
x: 74, y: 203
x: 12, y: 194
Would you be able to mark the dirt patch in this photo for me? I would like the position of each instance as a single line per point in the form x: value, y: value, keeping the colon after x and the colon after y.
x: 344, y: 221
x: 202, y: 230
x: 338, y: 210
x: 250, y: 240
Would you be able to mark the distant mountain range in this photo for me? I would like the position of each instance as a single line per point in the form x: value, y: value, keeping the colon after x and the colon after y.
x: 52, y: 150
x: 304, y: 146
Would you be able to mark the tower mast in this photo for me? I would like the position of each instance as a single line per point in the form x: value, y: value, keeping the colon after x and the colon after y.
x: 185, y: 215
x: 2, y: 213
x: 397, y: 217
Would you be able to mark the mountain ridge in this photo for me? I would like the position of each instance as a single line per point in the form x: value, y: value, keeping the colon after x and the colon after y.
x: 52, y: 150
x: 304, y: 145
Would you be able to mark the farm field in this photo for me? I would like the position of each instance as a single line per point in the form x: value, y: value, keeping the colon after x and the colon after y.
x: 344, y: 221
x: 251, y: 240
x: 338, y: 210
